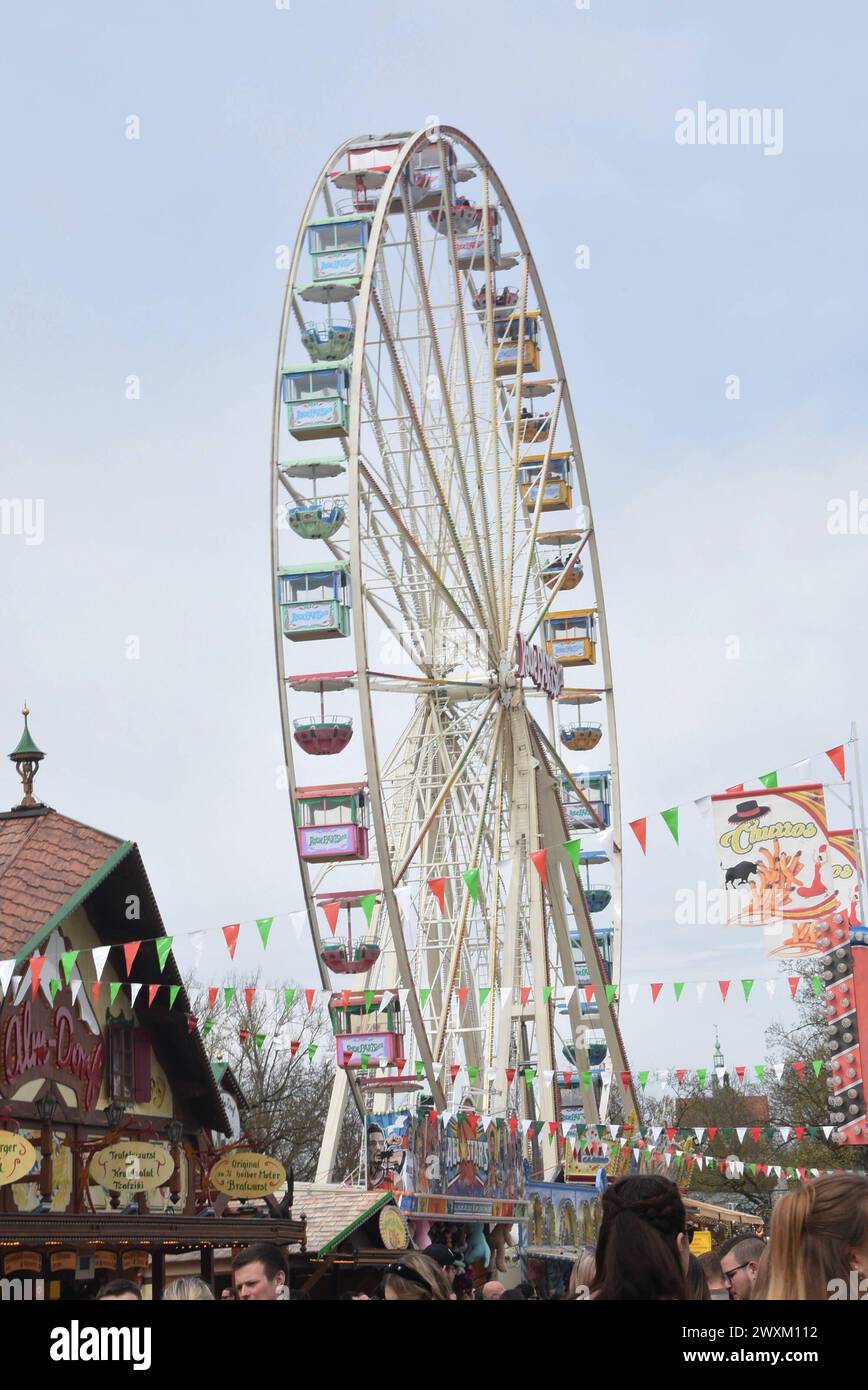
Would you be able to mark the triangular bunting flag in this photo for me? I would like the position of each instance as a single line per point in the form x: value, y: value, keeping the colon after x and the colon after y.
x: 228, y: 995
x: 678, y: 988
x: 640, y: 830
x: 471, y: 878
x: 67, y: 965
x: 114, y: 990
x: 671, y: 819
x: 36, y: 964
x: 655, y: 992
x: 836, y: 757
x: 747, y: 986
x: 134, y: 993
x: 539, y: 859
x: 332, y: 913
x: 230, y: 934
x: 723, y: 986
x: 99, y: 955
x: 367, y: 904
x: 152, y: 994
x: 174, y: 991
x: 53, y: 987
x: 769, y: 780
x: 574, y: 853
x: 131, y: 950
x: 163, y: 946
x: 794, y: 981
x: 263, y: 926
x: 438, y: 888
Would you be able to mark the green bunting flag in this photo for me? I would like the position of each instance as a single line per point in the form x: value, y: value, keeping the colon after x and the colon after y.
x: 163, y: 946
x: 53, y: 986
x: 424, y: 996
x: 574, y: 850
x: 114, y: 990
x: 67, y: 963
x: 207, y: 1025
x: 228, y: 996
x: 259, y: 1039
x: 701, y: 1074
x: 769, y: 780
x: 312, y: 1050
x: 586, y: 1078
x: 471, y: 878
x: 289, y: 998
x: 483, y: 995
x: 368, y: 903
x: 760, y: 1071
x: 678, y: 988
x: 643, y: 1078
x: 747, y: 986
x: 263, y: 925
x: 472, y: 1074
x: 611, y: 991
x: 671, y: 819
x: 817, y: 985
x: 420, y: 1068
x: 370, y: 996
x: 529, y: 1075
x: 818, y: 1067
x: 174, y: 991
x: 547, y: 993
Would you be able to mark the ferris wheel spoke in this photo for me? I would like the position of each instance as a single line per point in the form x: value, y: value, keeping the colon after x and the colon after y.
x: 535, y: 521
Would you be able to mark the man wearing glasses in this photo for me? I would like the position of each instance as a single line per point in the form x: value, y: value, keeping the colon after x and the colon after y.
x: 739, y: 1262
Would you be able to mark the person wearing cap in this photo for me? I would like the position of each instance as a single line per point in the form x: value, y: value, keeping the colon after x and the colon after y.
x: 446, y: 1259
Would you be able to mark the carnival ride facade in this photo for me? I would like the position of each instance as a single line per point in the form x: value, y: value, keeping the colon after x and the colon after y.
x: 436, y: 378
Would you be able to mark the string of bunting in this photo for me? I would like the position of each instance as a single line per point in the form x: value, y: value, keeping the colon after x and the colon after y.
x: 796, y: 984
x: 769, y: 780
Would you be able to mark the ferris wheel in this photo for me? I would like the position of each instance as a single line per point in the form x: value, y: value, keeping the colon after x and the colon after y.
x: 430, y: 523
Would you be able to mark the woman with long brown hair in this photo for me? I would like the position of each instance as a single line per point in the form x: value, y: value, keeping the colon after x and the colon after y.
x: 819, y: 1240
x: 642, y: 1250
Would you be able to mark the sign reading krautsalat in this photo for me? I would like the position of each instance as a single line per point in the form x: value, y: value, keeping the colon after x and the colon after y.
x: 540, y: 668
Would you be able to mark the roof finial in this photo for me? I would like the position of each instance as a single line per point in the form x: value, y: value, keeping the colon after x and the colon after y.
x: 27, y: 758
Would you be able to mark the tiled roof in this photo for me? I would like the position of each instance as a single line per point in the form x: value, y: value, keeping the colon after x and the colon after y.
x: 333, y: 1211
x: 44, y: 861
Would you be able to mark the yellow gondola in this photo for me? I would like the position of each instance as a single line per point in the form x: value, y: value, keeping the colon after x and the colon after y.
x: 571, y: 637
x: 558, y: 492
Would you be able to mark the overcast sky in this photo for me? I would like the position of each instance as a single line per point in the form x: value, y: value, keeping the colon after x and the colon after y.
x: 155, y: 258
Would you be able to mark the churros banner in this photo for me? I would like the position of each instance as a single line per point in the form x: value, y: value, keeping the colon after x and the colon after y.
x: 783, y: 869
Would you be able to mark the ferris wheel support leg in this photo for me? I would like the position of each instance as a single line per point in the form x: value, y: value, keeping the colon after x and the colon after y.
x: 334, y: 1121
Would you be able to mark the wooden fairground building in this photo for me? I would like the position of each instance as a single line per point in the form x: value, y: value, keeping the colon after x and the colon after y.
x: 90, y: 1062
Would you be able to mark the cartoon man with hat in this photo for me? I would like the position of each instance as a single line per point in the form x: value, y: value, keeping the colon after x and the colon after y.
x: 747, y: 810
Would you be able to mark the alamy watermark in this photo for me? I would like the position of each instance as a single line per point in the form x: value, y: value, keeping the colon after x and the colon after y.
x: 736, y: 125
x: 23, y: 516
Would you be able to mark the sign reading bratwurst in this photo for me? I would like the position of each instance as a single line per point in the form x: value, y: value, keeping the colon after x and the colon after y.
x: 540, y: 668
x: 244, y: 1174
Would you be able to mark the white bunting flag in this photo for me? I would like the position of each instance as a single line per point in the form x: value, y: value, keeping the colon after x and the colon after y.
x: 134, y: 992
x: 99, y: 955
x: 741, y: 1133
x: 505, y: 996
x: 700, y: 990
x: 770, y: 988
x: 632, y: 991
x: 6, y: 969
x: 785, y: 1132
x: 700, y: 1134
x: 703, y: 806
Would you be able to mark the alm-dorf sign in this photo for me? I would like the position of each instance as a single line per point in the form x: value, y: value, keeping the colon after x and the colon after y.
x: 540, y: 668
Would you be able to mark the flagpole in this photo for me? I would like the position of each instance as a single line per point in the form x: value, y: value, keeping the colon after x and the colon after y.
x: 859, y: 830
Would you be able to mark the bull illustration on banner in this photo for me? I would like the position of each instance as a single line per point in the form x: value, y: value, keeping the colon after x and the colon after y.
x: 783, y: 868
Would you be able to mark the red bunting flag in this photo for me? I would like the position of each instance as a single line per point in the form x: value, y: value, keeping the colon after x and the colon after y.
x: 36, y: 964
x: 332, y: 912
x: 131, y: 950
x: 793, y: 982
x: 525, y: 995
x: 799, y: 1069
x: 191, y: 1023
x: 711, y: 1131
x: 152, y: 994
x: 454, y: 1070
x: 539, y: 859
x: 755, y: 1134
x: 438, y: 888
x: 724, y: 988
x: 670, y: 1134
x: 243, y: 1035
x: 799, y: 1132
x: 640, y: 830
x: 462, y: 996
x: 836, y: 757
x: 510, y: 1075
x: 400, y: 1063
x: 655, y: 992
x: 94, y: 992
x: 739, y: 1071
x: 680, y: 1072
x: 231, y: 935
x: 625, y: 1078
x: 553, y: 1126
x: 738, y: 788
x: 513, y: 1124
x: 293, y: 1047
x: 249, y: 993
x: 213, y: 992
x: 310, y: 995
x: 588, y: 991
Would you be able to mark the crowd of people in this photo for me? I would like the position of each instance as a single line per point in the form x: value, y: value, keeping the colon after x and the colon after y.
x: 817, y: 1249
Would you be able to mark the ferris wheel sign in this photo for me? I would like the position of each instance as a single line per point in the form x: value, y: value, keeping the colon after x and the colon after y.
x: 540, y: 668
